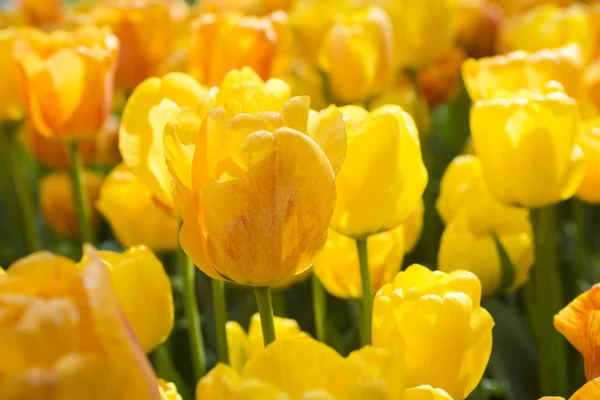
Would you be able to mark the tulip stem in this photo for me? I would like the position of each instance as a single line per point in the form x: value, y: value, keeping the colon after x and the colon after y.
x: 367, y: 290
x: 220, y: 308
x: 24, y: 198
x: 80, y: 198
x: 546, y: 293
x: 265, y: 309
x: 319, y: 308
x: 582, y: 264
x: 188, y: 277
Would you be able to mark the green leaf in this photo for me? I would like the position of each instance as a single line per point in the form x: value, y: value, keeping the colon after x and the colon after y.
x: 508, y: 269
x: 165, y: 369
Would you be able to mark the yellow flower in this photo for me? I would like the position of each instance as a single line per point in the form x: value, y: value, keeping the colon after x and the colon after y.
x: 337, y: 264
x: 41, y: 12
x: 133, y: 214
x: 152, y: 104
x: 472, y: 215
x: 590, y: 390
x: 66, y: 336
x: 549, y: 27
x: 589, y: 190
x: 67, y: 79
x: 11, y: 101
x: 243, y: 348
x: 383, y: 177
x: 579, y: 323
x: 222, y: 42
x: 56, y: 201
x: 357, y: 55
x: 251, y: 7
x: 413, y: 227
x: 437, y: 318
x: 504, y: 76
x: 168, y: 390
x: 512, y: 7
x: 257, y: 190
x: 528, y: 148
x: 146, y: 30
x: 423, y: 29
x: 302, y: 368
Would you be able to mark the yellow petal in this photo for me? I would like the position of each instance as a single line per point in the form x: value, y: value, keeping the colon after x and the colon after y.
x: 284, y: 328
x: 327, y: 128
x: 425, y: 393
x: 236, y: 343
x: 168, y: 390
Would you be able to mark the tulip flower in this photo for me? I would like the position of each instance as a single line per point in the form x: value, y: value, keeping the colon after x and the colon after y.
x: 250, y: 7
x: 590, y: 390
x: 589, y: 189
x: 67, y: 79
x: 222, y: 42
x: 12, y: 107
x: 579, y: 323
x: 482, y: 37
x: 549, y: 27
x: 338, y: 269
x: 423, y: 30
x: 57, y: 205
x: 384, y: 140
x: 146, y: 31
x: 505, y: 76
x: 358, y: 48
x: 168, y: 390
x: 302, y: 368
x: 41, y: 12
x: 440, y: 82
x: 144, y: 292
x: 435, y: 316
x: 244, y: 347
x: 134, y: 215
x: 67, y: 337
x: 528, y: 148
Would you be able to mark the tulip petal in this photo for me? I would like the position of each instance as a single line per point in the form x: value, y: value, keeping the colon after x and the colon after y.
x: 328, y: 130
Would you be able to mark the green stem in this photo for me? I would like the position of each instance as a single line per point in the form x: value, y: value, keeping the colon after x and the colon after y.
x: 80, y: 198
x: 319, y: 308
x: 188, y: 271
x: 582, y: 265
x: 220, y: 308
x: 265, y: 309
x: 546, y: 299
x: 278, y: 298
x: 166, y: 369
x: 24, y: 198
x: 367, y: 290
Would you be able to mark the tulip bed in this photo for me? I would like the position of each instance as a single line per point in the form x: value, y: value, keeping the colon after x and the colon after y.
x: 300, y: 200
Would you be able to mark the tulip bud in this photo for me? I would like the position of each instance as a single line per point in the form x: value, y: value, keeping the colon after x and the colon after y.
x: 436, y: 316
x: 56, y: 202
x: 168, y: 390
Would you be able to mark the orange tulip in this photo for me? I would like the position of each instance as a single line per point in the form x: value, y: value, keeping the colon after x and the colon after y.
x: 40, y: 12
x: 11, y: 101
x: 222, y: 42
x: 440, y: 82
x: 67, y: 79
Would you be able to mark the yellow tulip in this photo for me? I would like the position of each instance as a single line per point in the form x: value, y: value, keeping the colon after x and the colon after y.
x: 11, y: 102
x: 302, y: 368
x: 512, y: 7
x: 222, y: 42
x: 436, y: 316
x: 133, y: 214
x: 56, y: 201
x: 413, y: 227
x: 41, y: 12
x: 423, y: 29
x: 244, y: 347
x: 144, y: 292
x: 528, y: 148
x: 67, y: 337
x: 357, y: 55
x: 590, y: 390
x: 505, y: 75
x: 383, y: 177
x: 168, y: 391
x: 472, y: 215
x: 151, y: 105
x: 589, y: 189
x: 549, y: 27
x: 146, y: 30
x: 251, y: 7
x: 67, y: 79
x: 579, y: 323
x: 337, y: 264
x: 256, y: 190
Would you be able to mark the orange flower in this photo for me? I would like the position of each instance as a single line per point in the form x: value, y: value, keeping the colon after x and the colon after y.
x: 222, y: 42
x: 579, y: 323
x: 440, y: 82
x: 67, y: 79
x: 40, y: 12
x: 66, y: 336
x: 56, y: 201
x: 146, y: 30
